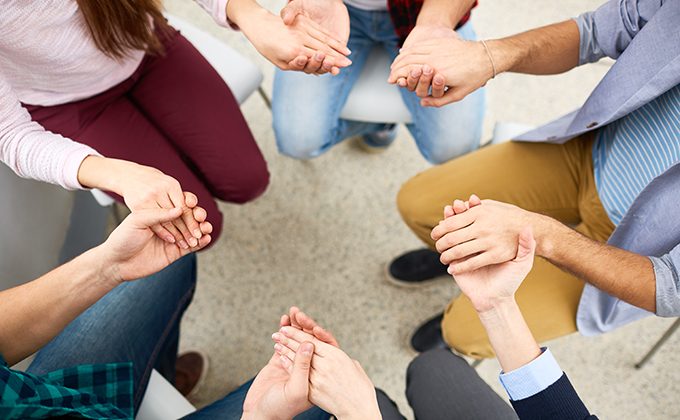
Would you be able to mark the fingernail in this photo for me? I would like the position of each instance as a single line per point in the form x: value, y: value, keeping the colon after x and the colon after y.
x: 276, y: 336
x: 193, y: 242
x: 450, y: 270
x: 318, y: 56
x: 306, y: 348
x: 278, y: 347
x: 198, y: 233
x: 183, y: 244
x: 170, y: 239
x: 427, y: 69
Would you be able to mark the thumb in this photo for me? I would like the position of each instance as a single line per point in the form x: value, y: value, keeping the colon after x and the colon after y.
x: 526, y: 245
x: 299, y: 378
x: 290, y: 11
x: 147, y: 218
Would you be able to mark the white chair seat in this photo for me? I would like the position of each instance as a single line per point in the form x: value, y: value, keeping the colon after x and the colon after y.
x: 373, y: 99
x: 162, y: 401
x: 240, y: 74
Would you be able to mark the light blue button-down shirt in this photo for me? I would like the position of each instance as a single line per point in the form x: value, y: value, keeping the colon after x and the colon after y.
x: 532, y: 378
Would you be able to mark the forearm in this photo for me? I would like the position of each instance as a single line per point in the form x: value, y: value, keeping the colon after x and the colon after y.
x: 626, y: 275
x: 34, y: 313
x: 550, y: 49
x: 244, y: 14
x: 509, y: 335
x: 443, y: 12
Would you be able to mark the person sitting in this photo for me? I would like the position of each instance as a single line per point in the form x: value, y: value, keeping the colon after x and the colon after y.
x: 594, y: 175
x: 82, y: 78
x: 440, y: 384
x: 306, y: 110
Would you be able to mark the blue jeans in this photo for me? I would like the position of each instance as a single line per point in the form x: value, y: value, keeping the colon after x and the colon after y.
x: 139, y: 322
x: 306, y: 109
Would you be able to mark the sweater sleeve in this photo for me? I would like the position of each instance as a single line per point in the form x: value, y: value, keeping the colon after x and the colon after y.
x: 217, y: 9
x: 33, y: 152
x: 608, y: 30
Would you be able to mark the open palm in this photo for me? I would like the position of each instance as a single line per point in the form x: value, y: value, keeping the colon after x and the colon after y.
x: 331, y: 15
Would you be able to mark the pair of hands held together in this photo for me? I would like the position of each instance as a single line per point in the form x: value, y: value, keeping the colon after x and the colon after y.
x: 312, y: 35
x: 489, y: 247
x: 308, y: 368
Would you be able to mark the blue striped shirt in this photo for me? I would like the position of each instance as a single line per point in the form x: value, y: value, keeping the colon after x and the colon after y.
x: 630, y: 152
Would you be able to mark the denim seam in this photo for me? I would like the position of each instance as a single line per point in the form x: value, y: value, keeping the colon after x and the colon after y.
x: 181, y: 307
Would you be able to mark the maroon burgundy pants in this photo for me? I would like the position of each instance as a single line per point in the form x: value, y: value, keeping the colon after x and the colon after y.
x: 175, y: 114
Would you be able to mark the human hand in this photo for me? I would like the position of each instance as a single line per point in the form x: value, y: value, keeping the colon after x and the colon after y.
x: 280, y: 390
x: 298, y: 319
x: 287, y: 47
x: 142, y: 188
x: 485, y: 234
x: 133, y: 251
x: 465, y: 66
x: 332, y: 16
x: 421, y: 78
x: 490, y: 285
x: 337, y: 384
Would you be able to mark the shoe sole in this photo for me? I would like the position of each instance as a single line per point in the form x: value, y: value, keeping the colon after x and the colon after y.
x: 192, y: 396
x: 363, y: 146
x: 409, y: 285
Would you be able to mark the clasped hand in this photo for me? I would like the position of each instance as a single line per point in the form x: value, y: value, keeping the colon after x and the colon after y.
x: 489, y: 247
x: 440, y: 66
x: 308, y: 368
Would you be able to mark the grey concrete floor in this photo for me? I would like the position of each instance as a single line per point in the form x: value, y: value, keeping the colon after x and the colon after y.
x: 321, y: 235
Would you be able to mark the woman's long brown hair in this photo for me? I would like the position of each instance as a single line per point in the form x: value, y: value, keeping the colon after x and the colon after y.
x: 118, y: 26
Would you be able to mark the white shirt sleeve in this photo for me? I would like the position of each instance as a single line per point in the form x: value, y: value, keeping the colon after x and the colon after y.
x: 33, y: 152
x: 217, y: 9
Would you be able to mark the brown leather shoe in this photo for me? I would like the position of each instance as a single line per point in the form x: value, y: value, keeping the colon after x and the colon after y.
x: 191, y: 368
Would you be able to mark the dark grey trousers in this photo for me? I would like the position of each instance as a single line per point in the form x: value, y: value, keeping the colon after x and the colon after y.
x: 441, y: 386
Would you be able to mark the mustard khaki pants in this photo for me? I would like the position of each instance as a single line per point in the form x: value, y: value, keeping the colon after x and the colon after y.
x: 551, y: 179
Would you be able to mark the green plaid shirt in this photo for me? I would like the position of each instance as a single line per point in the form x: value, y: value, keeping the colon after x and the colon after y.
x: 84, y: 391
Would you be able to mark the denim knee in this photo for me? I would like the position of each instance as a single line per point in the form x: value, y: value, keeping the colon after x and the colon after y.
x: 302, y: 138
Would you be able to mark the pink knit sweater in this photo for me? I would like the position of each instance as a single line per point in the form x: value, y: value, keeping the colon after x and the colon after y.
x: 47, y: 57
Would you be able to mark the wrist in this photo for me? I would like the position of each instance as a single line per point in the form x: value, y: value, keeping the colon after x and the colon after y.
x: 102, y: 173
x: 367, y: 410
x: 445, y: 13
x: 497, y: 309
x: 243, y: 12
x: 502, y: 54
x: 544, y: 233
x: 104, y: 269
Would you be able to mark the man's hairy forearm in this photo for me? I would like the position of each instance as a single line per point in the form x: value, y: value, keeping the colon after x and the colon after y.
x: 550, y: 49
x: 34, y: 313
x: 443, y: 12
x: 623, y: 274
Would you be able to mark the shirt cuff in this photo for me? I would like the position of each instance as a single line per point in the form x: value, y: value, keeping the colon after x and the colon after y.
x: 72, y: 165
x: 533, y: 377
x: 221, y: 14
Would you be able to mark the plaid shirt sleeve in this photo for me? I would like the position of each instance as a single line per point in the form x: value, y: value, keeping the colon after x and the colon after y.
x: 84, y: 391
x: 405, y: 12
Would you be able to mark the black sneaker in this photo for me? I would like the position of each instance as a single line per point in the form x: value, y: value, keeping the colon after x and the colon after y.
x: 415, y: 268
x: 429, y: 335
